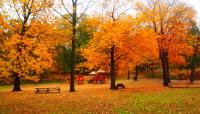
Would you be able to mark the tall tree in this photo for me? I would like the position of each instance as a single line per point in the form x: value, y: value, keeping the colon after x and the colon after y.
x: 73, y: 19
x: 24, y: 54
x: 170, y: 19
x: 3, y: 27
x: 130, y: 44
x: 110, y: 36
x: 195, y: 42
x: 114, y: 10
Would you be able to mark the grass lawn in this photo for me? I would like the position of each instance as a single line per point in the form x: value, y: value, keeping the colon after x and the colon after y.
x: 142, y: 97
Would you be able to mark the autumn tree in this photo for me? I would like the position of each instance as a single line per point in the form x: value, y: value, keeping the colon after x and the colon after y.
x: 25, y: 55
x: 144, y: 39
x: 130, y: 40
x: 194, y: 41
x: 114, y: 10
x: 73, y: 18
x: 4, y: 26
x: 101, y: 45
x: 170, y: 19
x: 117, y: 38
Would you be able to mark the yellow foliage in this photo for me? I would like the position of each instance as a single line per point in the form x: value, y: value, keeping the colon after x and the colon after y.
x: 34, y: 34
x: 171, y: 21
x: 25, y: 56
x: 131, y: 45
x: 48, y: 34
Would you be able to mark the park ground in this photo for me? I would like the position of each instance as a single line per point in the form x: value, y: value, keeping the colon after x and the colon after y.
x: 143, y: 97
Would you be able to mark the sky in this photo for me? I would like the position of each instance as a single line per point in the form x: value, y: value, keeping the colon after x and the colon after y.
x: 93, y: 10
x: 196, y: 5
x: 193, y: 3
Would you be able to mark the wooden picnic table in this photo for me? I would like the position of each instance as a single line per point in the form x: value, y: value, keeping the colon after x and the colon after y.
x: 47, y: 90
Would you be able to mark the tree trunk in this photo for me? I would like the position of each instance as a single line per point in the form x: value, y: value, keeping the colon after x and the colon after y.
x: 165, y: 67
x: 112, y: 68
x: 128, y: 75
x: 16, y: 83
x: 22, y: 33
x: 136, y: 73
x: 72, y: 73
x: 193, y: 65
x: 192, y: 69
x: 83, y: 70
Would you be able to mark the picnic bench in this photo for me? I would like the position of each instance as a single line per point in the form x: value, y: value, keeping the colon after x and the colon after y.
x: 120, y: 85
x: 47, y: 90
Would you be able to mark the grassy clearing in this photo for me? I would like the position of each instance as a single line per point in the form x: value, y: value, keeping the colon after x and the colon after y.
x: 143, y: 97
x: 177, y: 101
x: 5, y: 88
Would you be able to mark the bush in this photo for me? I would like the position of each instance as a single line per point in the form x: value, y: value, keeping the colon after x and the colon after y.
x: 6, y: 81
x: 154, y: 75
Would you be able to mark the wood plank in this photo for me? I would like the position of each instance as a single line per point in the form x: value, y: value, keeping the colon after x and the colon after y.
x: 47, y: 90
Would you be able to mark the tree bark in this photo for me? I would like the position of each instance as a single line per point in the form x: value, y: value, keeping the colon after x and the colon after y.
x: 193, y: 65
x: 165, y: 67
x: 72, y: 73
x: 83, y: 70
x: 112, y: 68
x: 128, y: 75
x: 136, y: 73
x: 192, y: 69
x: 16, y: 83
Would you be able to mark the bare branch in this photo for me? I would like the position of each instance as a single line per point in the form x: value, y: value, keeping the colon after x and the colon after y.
x: 36, y: 12
x: 115, y: 15
x: 122, y: 13
x: 66, y: 8
x: 17, y: 11
x: 113, y: 12
x: 88, y: 6
x: 12, y: 25
x: 74, y: 1
x: 62, y: 15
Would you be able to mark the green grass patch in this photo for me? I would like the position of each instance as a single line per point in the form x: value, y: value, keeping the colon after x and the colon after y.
x: 142, y: 97
x: 173, y: 101
x: 5, y: 87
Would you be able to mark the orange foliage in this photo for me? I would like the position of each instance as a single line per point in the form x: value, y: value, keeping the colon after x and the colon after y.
x: 171, y: 21
x: 25, y: 56
x: 131, y: 45
x: 34, y: 34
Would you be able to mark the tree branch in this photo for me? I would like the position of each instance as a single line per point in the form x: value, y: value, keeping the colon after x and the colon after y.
x: 66, y: 8
x: 12, y: 25
x: 62, y: 15
x: 84, y: 11
x: 17, y: 11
